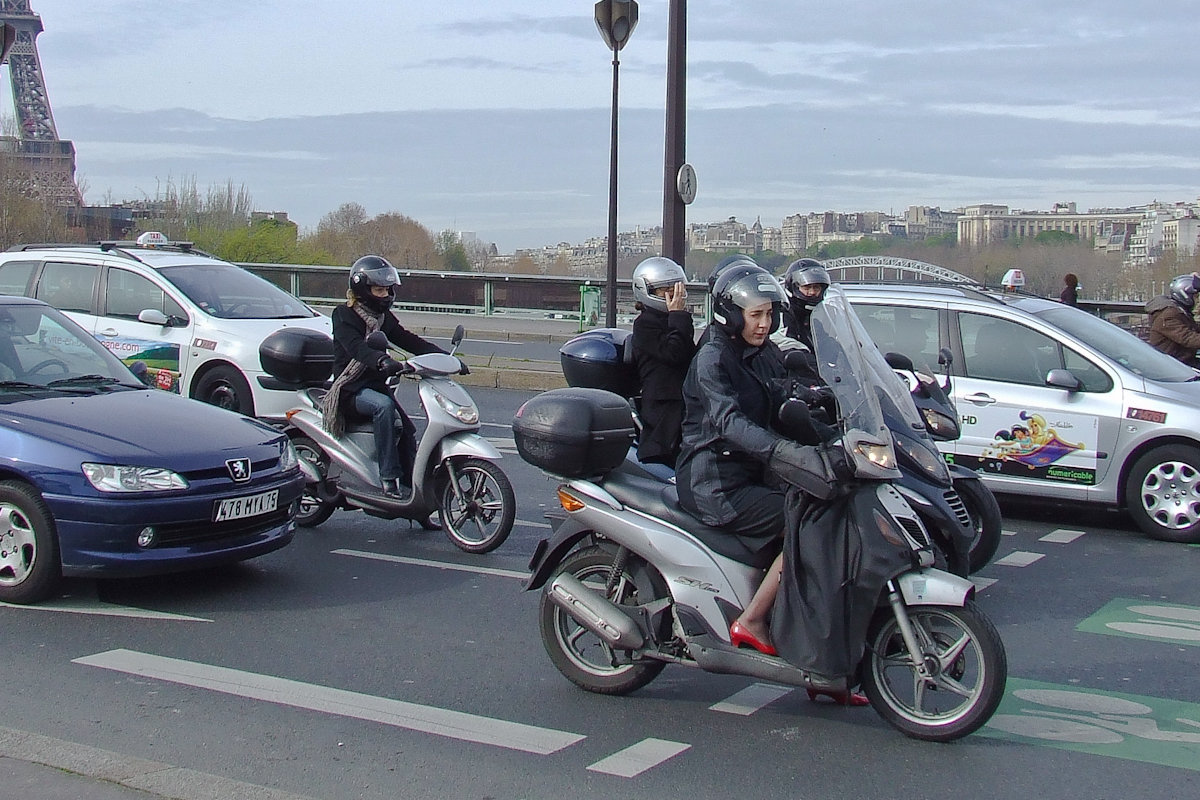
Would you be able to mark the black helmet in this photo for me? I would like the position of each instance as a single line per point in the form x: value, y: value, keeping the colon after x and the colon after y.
x: 804, y: 272
x: 371, y: 271
x: 736, y: 258
x: 1184, y: 288
x: 740, y: 287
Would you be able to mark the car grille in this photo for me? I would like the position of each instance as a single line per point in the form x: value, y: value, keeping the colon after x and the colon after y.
x: 257, y: 468
x: 960, y: 509
x: 193, y: 532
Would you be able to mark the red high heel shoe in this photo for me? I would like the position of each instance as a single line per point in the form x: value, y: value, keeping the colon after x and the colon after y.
x: 846, y: 698
x: 740, y: 636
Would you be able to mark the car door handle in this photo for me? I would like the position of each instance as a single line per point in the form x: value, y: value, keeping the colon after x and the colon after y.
x: 980, y: 399
x: 107, y: 332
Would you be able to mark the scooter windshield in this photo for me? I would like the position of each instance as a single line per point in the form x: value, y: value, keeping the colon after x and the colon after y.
x: 857, y: 375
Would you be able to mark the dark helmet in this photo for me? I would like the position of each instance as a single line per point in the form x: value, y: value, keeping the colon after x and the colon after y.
x: 804, y: 272
x: 740, y: 287
x: 653, y: 274
x: 736, y: 258
x: 1184, y: 288
x: 371, y: 271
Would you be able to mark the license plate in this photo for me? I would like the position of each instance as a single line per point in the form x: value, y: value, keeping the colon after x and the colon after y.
x: 252, y: 506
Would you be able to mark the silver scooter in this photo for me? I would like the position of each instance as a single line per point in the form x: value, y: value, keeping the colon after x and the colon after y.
x: 631, y: 582
x: 455, y: 473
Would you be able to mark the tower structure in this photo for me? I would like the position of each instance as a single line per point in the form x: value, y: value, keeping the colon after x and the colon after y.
x: 46, y: 163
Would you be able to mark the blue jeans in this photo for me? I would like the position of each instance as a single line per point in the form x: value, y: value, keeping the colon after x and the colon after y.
x: 394, y: 453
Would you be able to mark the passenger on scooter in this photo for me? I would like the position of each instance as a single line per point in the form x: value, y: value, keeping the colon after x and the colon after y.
x: 731, y: 459
x: 362, y: 371
x: 663, y: 346
x: 722, y: 265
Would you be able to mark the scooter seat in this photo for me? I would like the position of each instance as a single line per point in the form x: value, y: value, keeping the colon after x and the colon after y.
x: 662, y: 501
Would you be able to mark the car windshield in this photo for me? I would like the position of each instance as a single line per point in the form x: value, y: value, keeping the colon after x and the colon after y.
x: 230, y: 292
x: 40, y: 346
x: 1119, y: 345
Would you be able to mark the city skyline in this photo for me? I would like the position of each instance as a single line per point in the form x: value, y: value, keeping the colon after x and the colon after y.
x: 495, y: 120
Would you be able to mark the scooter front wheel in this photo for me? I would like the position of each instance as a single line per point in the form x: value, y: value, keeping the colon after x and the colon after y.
x: 964, y: 664
x: 985, y: 519
x: 477, y: 505
x: 313, y: 510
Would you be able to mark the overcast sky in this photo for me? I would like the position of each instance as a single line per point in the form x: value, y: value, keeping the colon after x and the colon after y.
x: 493, y: 117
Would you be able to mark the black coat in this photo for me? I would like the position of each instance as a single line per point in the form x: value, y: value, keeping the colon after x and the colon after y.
x: 730, y: 397
x: 349, y: 342
x: 663, y: 346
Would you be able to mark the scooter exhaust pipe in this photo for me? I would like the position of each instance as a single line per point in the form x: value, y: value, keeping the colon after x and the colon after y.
x: 596, y: 613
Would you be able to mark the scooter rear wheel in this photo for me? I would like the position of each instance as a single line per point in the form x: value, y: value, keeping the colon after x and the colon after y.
x: 477, y: 505
x: 313, y: 510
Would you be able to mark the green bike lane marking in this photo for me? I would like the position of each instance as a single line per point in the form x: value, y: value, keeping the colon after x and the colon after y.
x: 1147, y: 620
x: 1112, y: 724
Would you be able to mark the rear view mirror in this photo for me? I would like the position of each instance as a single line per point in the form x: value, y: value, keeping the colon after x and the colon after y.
x: 459, y: 333
x: 377, y: 340
x: 152, y: 316
x: 796, y: 422
x: 898, y: 361
x: 1063, y: 379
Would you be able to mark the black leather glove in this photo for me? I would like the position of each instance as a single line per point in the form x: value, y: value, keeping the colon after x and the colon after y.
x: 462, y: 368
x: 839, y: 463
x: 390, y: 366
x: 802, y: 467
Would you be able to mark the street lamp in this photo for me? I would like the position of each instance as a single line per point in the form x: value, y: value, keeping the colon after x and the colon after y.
x: 616, y: 20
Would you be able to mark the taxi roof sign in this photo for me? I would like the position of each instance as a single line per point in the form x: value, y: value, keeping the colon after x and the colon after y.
x: 153, y: 239
x: 1013, y: 279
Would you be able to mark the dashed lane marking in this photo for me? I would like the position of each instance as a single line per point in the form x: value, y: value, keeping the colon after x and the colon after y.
x: 423, y: 562
x: 1008, y: 533
x: 397, y: 713
x: 73, y: 605
x: 638, y: 758
x: 1062, y: 536
x: 751, y: 699
x: 1020, y: 558
x: 981, y: 583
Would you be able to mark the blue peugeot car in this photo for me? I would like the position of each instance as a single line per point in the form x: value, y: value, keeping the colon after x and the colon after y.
x: 102, y: 476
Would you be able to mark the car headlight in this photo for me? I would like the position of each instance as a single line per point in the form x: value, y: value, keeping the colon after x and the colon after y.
x: 466, y: 414
x: 924, y: 458
x: 288, y: 459
x: 118, y: 478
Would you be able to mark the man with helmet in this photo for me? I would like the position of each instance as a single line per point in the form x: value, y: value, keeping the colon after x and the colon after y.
x: 731, y: 457
x: 1173, y: 329
x: 663, y: 345
x: 361, y: 371
x: 804, y: 282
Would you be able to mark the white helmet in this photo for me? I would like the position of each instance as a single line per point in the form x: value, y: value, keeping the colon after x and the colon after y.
x: 653, y: 274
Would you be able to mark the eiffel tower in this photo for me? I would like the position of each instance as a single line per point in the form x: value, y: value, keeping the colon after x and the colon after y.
x: 47, y: 163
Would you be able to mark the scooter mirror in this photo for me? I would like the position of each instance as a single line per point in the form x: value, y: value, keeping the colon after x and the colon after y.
x: 945, y: 358
x: 795, y: 360
x: 898, y: 361
x: 377, y: 340
x: 459, y: 333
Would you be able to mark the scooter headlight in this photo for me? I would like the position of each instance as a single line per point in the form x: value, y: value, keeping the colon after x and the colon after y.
x: 928, y: 461
x: 466, y: 414
x: 939, y: 424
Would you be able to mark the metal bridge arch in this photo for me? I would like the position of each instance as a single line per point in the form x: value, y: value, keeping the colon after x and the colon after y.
x: 889, y: 268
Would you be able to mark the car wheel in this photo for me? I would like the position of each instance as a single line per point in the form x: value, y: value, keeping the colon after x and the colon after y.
x: 29, y: 565
x: 1162, y: 493
x: 225, y: 387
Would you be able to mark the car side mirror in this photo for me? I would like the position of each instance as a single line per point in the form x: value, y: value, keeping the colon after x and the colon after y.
x: 1063, y: 379
x: 152, y: 316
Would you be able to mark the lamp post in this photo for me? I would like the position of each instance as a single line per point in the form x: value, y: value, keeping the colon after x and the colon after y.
x: 616, y: 20
x: 679, y: 180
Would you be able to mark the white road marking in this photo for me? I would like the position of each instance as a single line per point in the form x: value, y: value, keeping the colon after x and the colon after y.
x: 638, y: 758
x: 89, y: 606
x: 422, y: 562
x: 982, y: 583
x: 1008, y: 533
x: 529, y: 524
x: 751, y: 699
x: 397, y: 713
x: 1062, y: 536
x: 1019, y: 559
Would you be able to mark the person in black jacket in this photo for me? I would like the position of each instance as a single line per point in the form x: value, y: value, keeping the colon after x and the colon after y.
x: 663, y: 346
x: 362, y: 371
x: 731, y: 459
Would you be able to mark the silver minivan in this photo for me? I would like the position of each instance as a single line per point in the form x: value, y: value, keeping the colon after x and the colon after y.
x: 1053, y: 401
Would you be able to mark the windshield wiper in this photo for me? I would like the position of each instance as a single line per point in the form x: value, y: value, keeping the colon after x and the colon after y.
x: 21, y: 385
x: 92, y: 380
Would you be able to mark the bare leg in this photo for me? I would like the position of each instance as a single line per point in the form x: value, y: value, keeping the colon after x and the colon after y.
x: 754, y: 618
